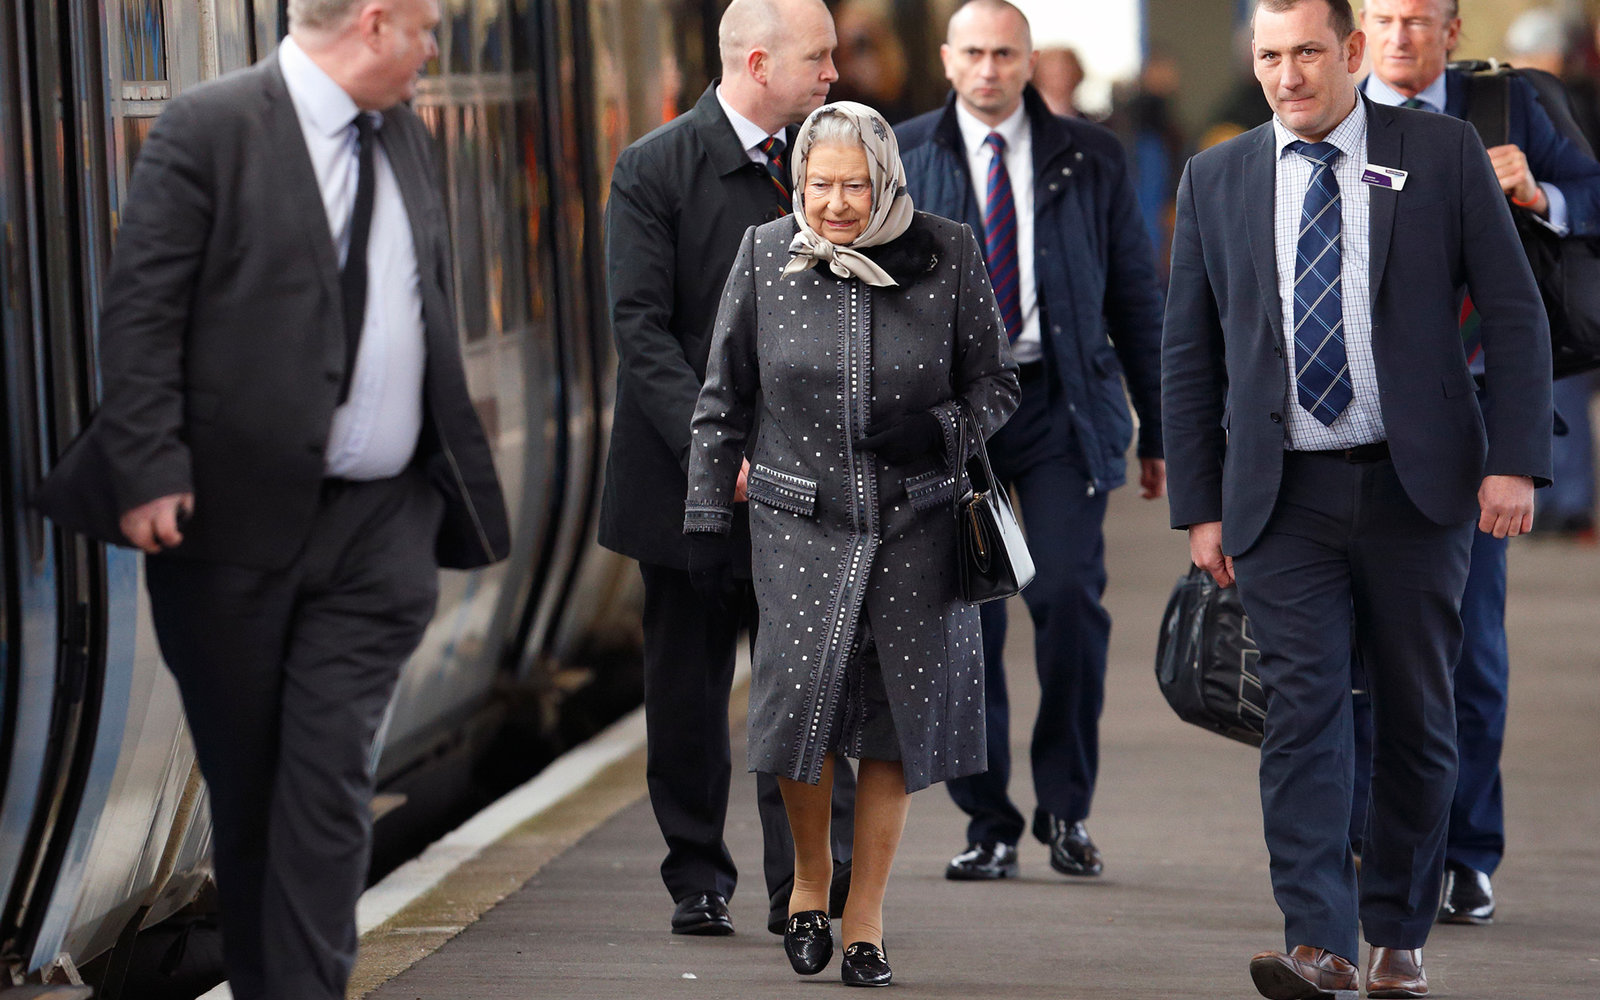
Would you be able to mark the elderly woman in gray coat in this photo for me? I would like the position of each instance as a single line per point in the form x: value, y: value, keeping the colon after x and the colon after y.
x: 851, y: 333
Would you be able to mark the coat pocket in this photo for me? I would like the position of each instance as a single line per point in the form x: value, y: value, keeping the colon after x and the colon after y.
x: 933, y: 488
x: 782, y: 490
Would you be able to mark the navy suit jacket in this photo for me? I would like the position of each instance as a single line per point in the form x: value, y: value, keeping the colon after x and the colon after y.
x: 1224, y: 383
x: 1099, y: 300
x: 1551, y: 156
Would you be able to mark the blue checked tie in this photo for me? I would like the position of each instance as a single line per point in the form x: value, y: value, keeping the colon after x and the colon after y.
x: 1322, y: 382
x: 1000, y: 239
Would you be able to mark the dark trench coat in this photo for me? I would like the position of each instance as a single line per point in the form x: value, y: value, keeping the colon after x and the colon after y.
x: 841, y: 539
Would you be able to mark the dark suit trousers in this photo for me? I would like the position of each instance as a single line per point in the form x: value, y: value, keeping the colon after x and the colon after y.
x: 1477, y: 835
x: 689, y: 655
x: 1036, y: 454
x: 285, y: 678
x: 1345, y: 542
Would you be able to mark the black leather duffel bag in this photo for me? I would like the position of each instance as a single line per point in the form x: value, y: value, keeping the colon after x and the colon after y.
x: 1206, y: 660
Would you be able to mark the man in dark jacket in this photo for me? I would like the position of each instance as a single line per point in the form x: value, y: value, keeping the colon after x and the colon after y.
x: 1548, y: 177
x: 681, y: 200
x: 286, y: 431
x: 1074, y: 274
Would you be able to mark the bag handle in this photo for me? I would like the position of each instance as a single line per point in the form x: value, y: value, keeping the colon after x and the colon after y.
x: 964, y: 417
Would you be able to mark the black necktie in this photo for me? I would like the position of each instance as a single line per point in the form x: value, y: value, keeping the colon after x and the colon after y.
x: 353, y: 279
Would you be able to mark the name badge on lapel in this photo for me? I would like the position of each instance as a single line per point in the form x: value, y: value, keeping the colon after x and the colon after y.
x: 1384, y: 177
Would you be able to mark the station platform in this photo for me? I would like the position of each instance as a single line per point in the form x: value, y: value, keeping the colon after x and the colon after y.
x: 569, y: 903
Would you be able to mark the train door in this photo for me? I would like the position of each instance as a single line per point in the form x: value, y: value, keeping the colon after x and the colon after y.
x: 57, y: 225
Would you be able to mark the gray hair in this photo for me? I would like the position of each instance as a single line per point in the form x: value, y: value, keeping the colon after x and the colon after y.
x: 321, y: 15
x: 835, y: 130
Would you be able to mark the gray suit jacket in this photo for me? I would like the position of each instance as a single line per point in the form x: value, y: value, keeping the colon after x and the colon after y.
x: 1224, y: 384
x: 222, y: 340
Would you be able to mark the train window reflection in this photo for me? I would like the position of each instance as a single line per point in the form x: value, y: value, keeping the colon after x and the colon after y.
x: 492, y: 36
x: 134, y: 132
x: 471, y: 286
x: 525, y: 42
x: 457, y: 26
x: 144, y: 50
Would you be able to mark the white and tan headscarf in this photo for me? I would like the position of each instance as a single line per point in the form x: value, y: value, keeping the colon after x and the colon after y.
x: 891, y: 203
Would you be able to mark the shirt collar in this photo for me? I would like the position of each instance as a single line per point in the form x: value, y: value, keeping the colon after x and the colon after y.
x: 1349, y: 135
x: 1433, y: 95
x: 751, y: 135
x: 316, y: 96
x: 973, y: 131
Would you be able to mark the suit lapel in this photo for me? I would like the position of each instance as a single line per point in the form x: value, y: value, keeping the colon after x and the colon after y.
x: 1260, y: 196
x: 298, y: 196
x: 1384, y: 142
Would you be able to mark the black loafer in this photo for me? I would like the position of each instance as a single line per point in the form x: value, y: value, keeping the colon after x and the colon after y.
x: 808, y: 941
x: 865, y: 965
x: 703, y: 913
x: 1468, y: 897
x: 1071, y: 850
x: 983, y: 862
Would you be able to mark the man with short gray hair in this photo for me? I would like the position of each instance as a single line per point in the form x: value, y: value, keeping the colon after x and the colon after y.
x: 286, y: 432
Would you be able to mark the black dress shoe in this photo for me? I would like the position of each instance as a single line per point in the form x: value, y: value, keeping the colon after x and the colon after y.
x: 808, y: 941
x: 865, y: 965
x: 981, y: 862
x: 703, y: 913
x: 1468, y: 898
x: 1071, y: 850
x: 838, y: 892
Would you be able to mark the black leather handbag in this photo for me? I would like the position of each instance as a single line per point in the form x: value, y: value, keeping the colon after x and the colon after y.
x: 994, y: 558
x: 1206, y: 660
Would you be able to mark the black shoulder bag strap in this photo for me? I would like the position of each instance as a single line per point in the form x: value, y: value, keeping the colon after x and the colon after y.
x: 1489, y: 106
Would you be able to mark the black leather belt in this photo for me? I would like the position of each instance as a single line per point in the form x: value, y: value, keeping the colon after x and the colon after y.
x: 1377, y: 451
x: 1030, y: 372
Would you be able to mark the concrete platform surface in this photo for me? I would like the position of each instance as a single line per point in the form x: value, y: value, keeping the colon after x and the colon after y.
x: 1185, y: 899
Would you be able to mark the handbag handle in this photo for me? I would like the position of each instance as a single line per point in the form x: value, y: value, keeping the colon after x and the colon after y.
x: 965, y: 416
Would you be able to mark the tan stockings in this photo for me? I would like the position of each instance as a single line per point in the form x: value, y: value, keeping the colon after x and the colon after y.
x: 881, y: 805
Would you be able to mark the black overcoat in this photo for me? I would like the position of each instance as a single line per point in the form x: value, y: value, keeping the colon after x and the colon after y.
x: 840, y: 539
x: 681, y: 197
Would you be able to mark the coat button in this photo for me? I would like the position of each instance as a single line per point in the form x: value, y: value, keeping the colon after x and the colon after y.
x: 1278, y: 351
x: 1277, y: 418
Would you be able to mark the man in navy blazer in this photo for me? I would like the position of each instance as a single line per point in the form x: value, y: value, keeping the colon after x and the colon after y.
x: 1326, y: 446
x: 1550, y: 179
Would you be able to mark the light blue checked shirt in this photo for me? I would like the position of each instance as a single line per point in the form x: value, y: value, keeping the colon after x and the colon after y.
x: 1362, y: 420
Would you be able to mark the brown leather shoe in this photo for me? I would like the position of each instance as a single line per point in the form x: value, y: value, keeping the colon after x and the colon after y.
x: 1396, y: 974
x: 1305, y: 973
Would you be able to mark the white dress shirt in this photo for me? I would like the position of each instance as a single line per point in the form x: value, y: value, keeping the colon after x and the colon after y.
x: 1019, y: 169
x: 1362, y: 420
x: 1433, y: 98
x: 375, y: 431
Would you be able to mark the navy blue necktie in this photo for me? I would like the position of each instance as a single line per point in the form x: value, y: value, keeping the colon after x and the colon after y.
x: 1322, y: 378
x: 1000, y: 239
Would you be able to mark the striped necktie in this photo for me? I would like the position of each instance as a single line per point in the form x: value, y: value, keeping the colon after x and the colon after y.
x: 1000, y: 239
x: 1322, y: 378
x: 772, y: 148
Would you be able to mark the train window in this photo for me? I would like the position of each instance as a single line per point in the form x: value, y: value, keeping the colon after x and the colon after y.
x: 492, y: 37
x: 509, y: 211
x: 144, y: 49
x: 525, y: 40
x: 456, y: 46
x: 471, y: 286
x: 134, y: 132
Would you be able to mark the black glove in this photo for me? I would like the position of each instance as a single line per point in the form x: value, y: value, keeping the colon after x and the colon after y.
x: 905, y: 440
x: 711, y: 568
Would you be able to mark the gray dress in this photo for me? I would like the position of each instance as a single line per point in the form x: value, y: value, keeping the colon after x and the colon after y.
x: 841, y: 540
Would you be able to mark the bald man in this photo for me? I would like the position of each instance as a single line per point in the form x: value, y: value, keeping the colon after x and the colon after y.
x: 681, y: 199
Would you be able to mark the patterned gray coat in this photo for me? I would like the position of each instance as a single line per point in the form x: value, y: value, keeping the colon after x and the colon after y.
x: 841, y: 539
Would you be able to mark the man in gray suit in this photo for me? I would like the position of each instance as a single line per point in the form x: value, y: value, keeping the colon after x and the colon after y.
x: 286, y: 431
x: 1325, y: 443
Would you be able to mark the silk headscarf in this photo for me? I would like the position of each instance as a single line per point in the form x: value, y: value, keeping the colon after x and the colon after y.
x: 891, y: 203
